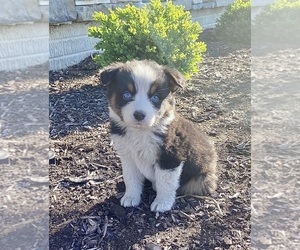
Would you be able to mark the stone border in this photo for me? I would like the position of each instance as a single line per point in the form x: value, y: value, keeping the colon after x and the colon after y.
x: 67, y: 41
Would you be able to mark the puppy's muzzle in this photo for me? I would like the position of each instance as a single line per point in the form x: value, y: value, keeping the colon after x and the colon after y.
x: 139, y: 115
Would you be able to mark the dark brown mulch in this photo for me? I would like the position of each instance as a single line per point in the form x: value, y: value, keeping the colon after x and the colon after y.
x: 86, y: 182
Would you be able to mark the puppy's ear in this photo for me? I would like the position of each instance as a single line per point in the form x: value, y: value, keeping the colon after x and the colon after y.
x: 107, y: 73
x: 176, y: 79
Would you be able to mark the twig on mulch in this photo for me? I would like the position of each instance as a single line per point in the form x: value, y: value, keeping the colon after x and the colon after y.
x: 186, y: 215
x: 99, y: 165
x: 80, y: 180
x: 113, y: 180
x: 203, y: 198
x: 64, y: 223
x: 90, y: 217
x: 104, y: 230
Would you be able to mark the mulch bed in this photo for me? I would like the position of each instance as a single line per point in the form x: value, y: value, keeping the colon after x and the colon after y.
x: 86, y: 181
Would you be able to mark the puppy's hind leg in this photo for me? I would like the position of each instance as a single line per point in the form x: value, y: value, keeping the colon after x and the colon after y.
x: 167, y: 182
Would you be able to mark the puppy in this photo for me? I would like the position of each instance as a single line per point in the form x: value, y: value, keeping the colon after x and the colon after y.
x: 153, y: 141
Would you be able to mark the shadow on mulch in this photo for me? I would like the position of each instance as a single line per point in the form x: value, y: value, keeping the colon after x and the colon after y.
x: 76, y: 105
x: 216, y: 47
x: 108, y: 225
x: 89, y: 100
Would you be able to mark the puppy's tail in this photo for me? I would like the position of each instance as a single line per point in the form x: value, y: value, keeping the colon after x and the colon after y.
x: 202, y: 185
x: 205, y: 183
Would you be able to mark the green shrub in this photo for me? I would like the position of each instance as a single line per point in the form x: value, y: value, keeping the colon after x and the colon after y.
x: 163, y: 33
x: 278, y: 22
x: 234, y: 25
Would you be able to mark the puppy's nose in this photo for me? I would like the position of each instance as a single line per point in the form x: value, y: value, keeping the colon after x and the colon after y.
x: 139, y: 115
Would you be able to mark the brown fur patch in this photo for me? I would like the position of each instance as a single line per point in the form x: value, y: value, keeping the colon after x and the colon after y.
x: 116, y: 108
x: 167, y: 108
x: 185, y: 143
x: 131, y: 87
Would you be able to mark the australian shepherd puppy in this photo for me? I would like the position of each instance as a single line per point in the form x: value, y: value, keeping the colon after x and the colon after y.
x: 153, y: 141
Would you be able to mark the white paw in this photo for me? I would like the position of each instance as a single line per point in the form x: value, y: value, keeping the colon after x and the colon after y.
x: 129, y: 200
x: 162, y: 205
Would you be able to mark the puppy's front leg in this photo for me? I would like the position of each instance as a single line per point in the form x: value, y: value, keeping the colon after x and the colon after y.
x: 167, y: 182
x: 133, y: 183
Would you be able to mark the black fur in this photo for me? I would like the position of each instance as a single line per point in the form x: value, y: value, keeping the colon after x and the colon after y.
x: 117, y: 129
x: 184, y: 143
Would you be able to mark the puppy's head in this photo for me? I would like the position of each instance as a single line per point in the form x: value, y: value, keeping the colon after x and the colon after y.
x: 139, y: 92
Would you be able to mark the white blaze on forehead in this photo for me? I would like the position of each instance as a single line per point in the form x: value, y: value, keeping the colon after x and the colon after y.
x: 143, y: 76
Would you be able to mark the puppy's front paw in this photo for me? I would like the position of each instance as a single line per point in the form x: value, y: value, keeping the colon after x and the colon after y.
x: 162, y: 205
x: 129, y: 200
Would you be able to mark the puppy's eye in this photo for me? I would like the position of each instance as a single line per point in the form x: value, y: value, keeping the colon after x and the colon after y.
x: 154, y: 98
x: 127, y: 96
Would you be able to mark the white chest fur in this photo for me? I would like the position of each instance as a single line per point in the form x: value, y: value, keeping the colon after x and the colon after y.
x: 138, y: 148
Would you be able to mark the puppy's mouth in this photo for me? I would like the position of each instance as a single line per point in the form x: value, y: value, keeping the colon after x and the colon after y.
x: 140, y: 124
x: 143, y: 124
